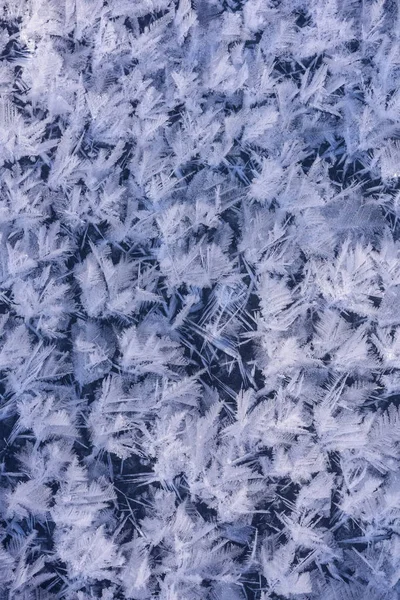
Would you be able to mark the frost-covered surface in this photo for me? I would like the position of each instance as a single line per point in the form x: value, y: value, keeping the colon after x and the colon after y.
x: 200, y: 300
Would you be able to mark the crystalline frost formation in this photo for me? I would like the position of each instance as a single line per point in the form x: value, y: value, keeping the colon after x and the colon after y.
x: 199, y: 300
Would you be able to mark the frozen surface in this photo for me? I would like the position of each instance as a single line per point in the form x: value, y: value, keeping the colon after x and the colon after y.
x: 199, y: 300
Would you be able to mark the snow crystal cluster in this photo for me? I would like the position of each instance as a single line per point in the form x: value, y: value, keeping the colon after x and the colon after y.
x: 199, y: 300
